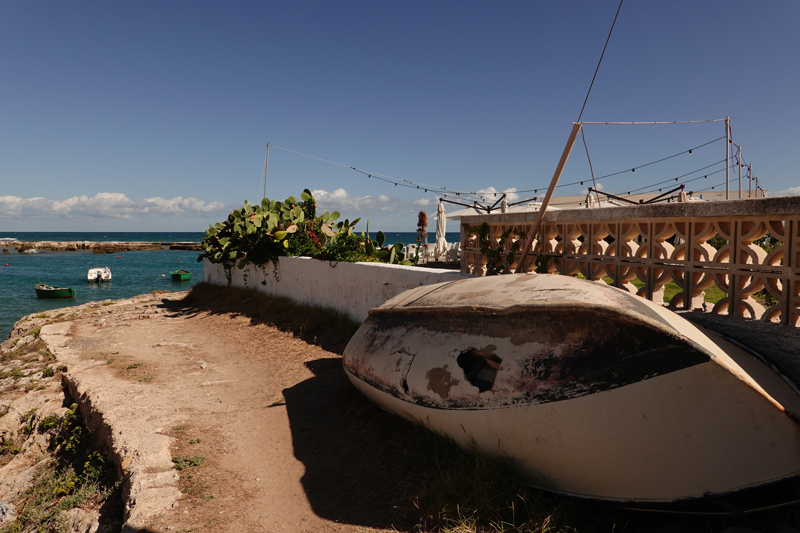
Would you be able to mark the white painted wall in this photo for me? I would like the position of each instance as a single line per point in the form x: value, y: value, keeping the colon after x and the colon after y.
x: 353, y: 288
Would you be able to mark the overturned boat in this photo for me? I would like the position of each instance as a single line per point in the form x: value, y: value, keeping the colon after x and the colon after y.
x: 594, y: 391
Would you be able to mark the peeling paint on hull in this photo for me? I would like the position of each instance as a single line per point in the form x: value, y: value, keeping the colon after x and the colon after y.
x: 596, y: 392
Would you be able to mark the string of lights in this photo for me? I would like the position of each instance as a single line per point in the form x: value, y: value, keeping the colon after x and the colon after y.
x: 483, y: 195
x: 395, y: 181
x: 705, y: 176
x: 677, y: 178
x: 712, y: 188
x: 632, y: 169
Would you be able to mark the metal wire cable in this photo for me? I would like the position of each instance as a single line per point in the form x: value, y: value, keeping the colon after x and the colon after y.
x: 677, y: 178
x: 601, y: 60
x: 580, y: 182
x: 483, y: 196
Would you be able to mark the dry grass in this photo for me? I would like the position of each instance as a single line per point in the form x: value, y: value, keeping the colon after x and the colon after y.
x: 326, y: 328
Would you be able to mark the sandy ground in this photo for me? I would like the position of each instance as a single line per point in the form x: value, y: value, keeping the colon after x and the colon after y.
x: 288, y: 443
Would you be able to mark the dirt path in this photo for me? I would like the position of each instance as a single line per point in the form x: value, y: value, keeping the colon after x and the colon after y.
x: 287, y: 443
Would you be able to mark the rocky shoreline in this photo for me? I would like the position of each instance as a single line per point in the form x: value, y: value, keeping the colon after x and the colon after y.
x: 39, y: 376
x: 95, y: 247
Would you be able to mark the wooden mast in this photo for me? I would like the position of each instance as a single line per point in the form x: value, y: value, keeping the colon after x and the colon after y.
x: 576, y: 128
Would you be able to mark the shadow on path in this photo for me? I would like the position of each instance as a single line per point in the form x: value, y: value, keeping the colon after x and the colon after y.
x: 326, y: 328
x: 345, y: 443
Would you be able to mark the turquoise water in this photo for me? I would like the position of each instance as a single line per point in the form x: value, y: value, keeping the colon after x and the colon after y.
x: 410, y: 237
x: 104, y: 236
x: 31, y: 236
x: 133, y: 273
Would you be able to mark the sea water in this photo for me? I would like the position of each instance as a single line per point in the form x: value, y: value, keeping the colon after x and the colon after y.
x: 133, y: 273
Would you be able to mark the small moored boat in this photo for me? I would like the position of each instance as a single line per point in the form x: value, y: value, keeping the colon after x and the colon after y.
x: 99, y: 274
x: 181, y: 275
x: 46, y: 291
x: 594, y: 391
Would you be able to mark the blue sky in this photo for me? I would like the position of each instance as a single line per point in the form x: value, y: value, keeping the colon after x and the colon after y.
x: 155, y: 115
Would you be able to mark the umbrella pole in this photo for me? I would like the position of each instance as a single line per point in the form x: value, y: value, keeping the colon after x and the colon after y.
x: 576, y: 128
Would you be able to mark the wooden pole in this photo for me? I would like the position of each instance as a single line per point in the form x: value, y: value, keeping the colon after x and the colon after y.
x: 576, y: 128
x: 739, y: 161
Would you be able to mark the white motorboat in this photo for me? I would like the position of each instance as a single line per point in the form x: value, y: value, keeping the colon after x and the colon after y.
x: 594, y: 391
x: 99, y: 274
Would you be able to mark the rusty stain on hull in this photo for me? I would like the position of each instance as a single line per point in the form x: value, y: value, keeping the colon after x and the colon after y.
x: 440, y: 381
x: 548, y: 355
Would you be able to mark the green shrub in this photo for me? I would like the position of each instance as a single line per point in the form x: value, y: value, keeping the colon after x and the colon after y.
x: 261, y: 233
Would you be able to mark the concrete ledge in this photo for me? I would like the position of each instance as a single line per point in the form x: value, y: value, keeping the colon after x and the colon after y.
x: 141, y: 451
x: 352, y: 288
x: 781, y: 205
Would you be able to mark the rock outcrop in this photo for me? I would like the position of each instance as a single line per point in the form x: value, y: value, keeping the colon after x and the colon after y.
x: 96, y: 247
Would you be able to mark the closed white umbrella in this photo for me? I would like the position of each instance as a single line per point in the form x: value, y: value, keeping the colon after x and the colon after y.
x: 441, y: 227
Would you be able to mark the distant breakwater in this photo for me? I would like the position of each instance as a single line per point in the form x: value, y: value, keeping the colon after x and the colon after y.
x: 95, y: 247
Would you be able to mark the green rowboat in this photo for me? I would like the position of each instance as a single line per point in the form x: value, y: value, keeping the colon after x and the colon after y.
x: 181, y: 275
x: 46, y: 291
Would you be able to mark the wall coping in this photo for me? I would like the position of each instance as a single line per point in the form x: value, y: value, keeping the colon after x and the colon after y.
x: 352, y: 288
x: 781, y: 205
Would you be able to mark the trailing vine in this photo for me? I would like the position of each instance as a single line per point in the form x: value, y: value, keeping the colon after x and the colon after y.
x: 497, y: 260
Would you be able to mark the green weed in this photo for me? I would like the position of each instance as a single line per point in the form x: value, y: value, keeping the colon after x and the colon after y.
x: 7, y: 447
x: 76, y: 476
x: 183, y: 463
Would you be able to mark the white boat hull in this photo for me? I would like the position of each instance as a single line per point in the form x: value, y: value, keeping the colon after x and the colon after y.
x: 717, y: 421
x: 99, y: 274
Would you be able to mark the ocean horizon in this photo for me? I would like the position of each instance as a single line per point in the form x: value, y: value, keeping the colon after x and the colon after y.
x: 406, y: 237
x: 134, y: 273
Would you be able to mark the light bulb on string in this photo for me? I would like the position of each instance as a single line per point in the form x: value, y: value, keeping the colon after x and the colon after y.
x: 690, y: 152
x: 633, y: 170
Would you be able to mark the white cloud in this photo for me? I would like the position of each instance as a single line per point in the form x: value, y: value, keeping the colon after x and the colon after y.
x: 340, y: 200
x: 599, y: 187
x: 791, y: 191
x: 105, y: 205
x: 493, y: 194
x: 423, y: 202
